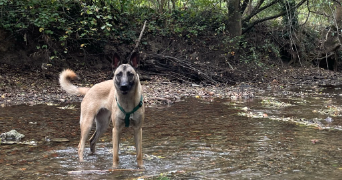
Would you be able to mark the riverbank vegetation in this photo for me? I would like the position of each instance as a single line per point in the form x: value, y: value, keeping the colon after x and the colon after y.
x: 208, y: 41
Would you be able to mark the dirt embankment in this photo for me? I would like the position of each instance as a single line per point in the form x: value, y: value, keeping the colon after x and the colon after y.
x: 170, y: 69
x: 23, y: 87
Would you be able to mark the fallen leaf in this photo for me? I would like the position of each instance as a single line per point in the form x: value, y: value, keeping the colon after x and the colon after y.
x: 314, y: 141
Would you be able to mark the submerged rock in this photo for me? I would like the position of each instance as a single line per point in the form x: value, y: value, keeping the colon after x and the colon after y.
x: 12, y: 135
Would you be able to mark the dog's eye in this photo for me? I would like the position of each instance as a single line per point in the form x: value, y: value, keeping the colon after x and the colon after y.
x: 119, y: 74
x: 129, y: 74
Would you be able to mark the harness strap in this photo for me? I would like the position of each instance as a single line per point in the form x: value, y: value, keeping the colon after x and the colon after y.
x: 127, y: 115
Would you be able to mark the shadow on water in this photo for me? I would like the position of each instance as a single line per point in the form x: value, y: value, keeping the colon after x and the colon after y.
x: 193, y: 139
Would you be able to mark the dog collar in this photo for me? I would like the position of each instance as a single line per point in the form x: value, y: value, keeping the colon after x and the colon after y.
x: 127, y: 115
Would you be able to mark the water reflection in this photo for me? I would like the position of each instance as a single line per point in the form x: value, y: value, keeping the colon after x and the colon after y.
x: 192, y: 139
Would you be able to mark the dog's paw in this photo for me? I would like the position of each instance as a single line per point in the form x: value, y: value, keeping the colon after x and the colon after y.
x: 141, y: 166
x: 115, y: 165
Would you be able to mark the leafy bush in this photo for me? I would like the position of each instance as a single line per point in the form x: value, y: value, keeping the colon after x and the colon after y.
x: 69, y: 23
x: 73, y: 25
x: 62, y: 26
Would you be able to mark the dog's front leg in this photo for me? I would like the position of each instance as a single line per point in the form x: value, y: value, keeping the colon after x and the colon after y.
x: 116, y: 134
x: 138, y: 146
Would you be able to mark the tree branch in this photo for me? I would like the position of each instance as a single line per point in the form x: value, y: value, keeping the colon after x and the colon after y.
x: 259, y: 4
x: 257, y: 9
x: 251, y: 25
x: 244, y: 5
x: 336, y: 1
x: 320, y: 13
x: 138, y: 41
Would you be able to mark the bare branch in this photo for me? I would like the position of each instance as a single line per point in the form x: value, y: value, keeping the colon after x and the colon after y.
x: 320, y: 13
x: 307, y: 17
x: 141, y: 33
x: 336, y: 1
x: 251, y: 25
x: 138, y: 41
x: 244, y: 5
x: 257, y: 9
x: 259, y: 4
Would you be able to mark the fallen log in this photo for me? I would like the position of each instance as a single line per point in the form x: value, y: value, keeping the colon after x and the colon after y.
x: 182, y: 67
x: 91, y: 171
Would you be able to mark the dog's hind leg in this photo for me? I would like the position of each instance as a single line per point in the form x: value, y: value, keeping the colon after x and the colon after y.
x: 102, y: 121
x: 86, y: 125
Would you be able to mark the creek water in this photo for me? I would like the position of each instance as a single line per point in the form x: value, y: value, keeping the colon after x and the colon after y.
x: 192, y: 139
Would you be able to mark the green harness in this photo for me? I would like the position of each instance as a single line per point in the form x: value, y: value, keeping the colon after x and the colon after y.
x: 127, y: 115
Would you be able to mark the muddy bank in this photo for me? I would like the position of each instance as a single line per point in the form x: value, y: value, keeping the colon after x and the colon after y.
x: 34, y: 87
x: 31, y: 88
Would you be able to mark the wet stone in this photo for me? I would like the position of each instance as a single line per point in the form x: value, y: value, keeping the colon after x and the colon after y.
x: 12, y: 135
x: 59, y: 140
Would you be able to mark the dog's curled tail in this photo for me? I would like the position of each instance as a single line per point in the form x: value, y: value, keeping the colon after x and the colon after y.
x: 64, y: 81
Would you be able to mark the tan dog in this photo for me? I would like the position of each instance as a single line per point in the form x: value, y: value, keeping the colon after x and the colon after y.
x: 107, y: 100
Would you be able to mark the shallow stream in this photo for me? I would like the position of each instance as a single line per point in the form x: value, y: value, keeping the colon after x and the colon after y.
x: 276, y: 135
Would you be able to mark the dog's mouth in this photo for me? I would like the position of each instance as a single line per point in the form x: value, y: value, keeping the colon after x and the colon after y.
x: 124, y: 92
x: 124, y: 89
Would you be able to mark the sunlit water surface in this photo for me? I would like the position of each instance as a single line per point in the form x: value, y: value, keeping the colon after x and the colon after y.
x: 192, y: 139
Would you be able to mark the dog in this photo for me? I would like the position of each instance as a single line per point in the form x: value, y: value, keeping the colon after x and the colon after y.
x: 119, y: 100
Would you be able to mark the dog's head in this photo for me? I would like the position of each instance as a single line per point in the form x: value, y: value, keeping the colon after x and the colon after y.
x: 125, y: 76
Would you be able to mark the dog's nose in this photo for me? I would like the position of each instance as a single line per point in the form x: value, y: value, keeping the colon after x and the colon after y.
x: 124, y: 86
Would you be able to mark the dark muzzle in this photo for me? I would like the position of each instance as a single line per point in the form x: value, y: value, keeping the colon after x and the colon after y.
x: 124, y: 87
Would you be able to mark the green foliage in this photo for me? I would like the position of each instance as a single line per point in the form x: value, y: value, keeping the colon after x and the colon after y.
x: 71, y: 23
x: 187, y: 23
x: 61, y: 26
x: 254, y: 50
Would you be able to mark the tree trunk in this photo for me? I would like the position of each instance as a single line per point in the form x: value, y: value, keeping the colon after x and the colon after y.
x: 161, y: 4
x: 173, y: 4
x: 338, y: 15
x: 234, y: 18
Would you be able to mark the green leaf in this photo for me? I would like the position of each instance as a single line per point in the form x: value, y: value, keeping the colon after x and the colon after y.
x: 48, y: 32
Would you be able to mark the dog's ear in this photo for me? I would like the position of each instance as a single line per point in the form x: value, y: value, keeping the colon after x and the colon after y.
x: 116, y: 61
x: 134, y: 61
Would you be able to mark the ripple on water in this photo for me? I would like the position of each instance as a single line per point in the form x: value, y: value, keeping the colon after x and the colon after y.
x: 189, y: 140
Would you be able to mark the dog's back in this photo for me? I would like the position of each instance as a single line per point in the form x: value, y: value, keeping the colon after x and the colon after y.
x: 99, y: 96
